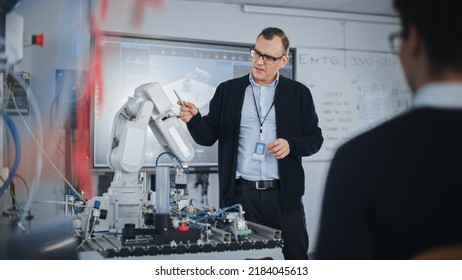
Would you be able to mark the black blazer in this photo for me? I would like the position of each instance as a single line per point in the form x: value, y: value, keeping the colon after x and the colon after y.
x: 296, y: 121
x: 395, y: 190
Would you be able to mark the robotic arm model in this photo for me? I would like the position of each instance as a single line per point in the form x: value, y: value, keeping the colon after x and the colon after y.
x: 127, y: 201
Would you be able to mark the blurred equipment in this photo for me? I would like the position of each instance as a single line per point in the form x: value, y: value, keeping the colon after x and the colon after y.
x: 9, y: 23
x: 15, y: 93
x: 12, y: 34
x: 53, y: 241
x: 196, y: 87
x: 14, y: 37
x: 125, y: 220
x: 13, y: 99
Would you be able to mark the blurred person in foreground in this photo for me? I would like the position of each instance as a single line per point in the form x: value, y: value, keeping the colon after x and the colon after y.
x: 396, y: 190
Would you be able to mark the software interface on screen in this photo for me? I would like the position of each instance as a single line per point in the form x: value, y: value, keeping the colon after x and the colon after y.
x: 192, y: 69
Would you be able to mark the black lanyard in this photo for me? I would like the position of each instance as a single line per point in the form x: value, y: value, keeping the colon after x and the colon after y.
x: 258, y: 114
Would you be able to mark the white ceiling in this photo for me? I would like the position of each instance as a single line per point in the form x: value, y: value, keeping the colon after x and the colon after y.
x: 368, y: 7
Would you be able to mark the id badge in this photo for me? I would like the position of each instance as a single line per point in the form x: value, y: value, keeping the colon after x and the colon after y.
x: 259, y: 151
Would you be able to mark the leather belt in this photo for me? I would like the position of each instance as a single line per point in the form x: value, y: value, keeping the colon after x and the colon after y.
x: 257, y: 185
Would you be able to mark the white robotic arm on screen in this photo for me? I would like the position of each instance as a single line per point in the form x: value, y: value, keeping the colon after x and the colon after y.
x: 197, y: 72
x: 128, y: 200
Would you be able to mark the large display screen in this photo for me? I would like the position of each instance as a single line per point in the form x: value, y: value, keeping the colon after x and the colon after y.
x: 192, y: 68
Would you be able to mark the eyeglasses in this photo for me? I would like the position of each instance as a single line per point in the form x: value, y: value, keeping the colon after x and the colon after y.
x: 395, y: 42
x: 267, y: 59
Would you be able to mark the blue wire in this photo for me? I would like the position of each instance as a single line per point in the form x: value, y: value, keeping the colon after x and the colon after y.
x: 194, y: 224
x: 215, y: 215
x: 17, y: 143
x: 186, y: 170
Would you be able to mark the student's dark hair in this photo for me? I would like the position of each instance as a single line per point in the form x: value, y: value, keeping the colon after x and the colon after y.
x: 440, y: 24
x: 269, y: 33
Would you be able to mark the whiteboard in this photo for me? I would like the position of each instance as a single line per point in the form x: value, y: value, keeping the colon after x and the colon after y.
x: 353, y: 91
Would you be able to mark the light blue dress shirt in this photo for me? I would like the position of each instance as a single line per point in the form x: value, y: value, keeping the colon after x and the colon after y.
x: 248, y: 168
x: 439, y: 95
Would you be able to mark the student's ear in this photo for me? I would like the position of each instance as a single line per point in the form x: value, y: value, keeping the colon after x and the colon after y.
x: 414, y: 42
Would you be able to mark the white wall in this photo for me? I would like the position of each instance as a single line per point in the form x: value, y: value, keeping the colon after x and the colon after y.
x: 66, y: 47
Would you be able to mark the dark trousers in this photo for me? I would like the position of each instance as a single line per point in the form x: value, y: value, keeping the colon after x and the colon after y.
x: 264, y: 207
